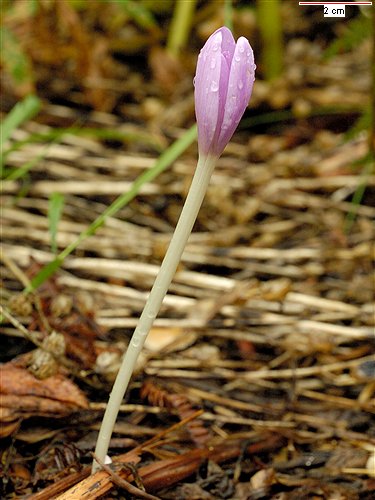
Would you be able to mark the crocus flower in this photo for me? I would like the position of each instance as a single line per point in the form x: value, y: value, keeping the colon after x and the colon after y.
x: 223, y: 84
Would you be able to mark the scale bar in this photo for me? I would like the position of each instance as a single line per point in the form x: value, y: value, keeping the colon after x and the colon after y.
x: 335, y: 3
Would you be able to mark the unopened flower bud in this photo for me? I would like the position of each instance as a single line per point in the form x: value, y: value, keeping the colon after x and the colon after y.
x: 223, y: 85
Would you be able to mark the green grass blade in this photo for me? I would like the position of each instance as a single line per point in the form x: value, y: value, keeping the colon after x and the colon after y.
x: 20, y: 172
x: 356, y: 31
x: 13, y: 57
x: 180, y: 27
x: 164, y: 161
x: 21, y: 112
x: 56, y: 134
x: 271, y: 30
x: 139, y: 13
x: 56, y: 203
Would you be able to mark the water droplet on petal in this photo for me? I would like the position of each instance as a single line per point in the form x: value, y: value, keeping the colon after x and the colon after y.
x: 226, y: 123
x: 213, y: 63
x: 215, y: 47
x: 214, y: 87
x: 240, y: 85
x: 237, y: 58
x: 242, y: 49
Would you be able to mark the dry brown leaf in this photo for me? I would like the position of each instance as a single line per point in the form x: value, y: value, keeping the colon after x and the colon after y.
x: 23, y: 395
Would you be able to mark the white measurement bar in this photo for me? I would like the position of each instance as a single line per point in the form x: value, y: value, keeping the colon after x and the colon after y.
x: 335, y: 9
x: 335, y: 3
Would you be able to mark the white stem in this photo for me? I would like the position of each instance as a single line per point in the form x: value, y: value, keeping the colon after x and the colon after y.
x: 167, y: 270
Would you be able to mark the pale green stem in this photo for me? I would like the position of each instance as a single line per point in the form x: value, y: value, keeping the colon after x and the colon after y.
x: 167, y: 270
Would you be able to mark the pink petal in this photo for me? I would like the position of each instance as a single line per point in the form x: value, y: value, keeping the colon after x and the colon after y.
x: 240, y: 85
x: 207, y: 83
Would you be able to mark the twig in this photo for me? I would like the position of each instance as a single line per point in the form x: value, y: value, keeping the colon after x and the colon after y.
x: 122, y: 483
